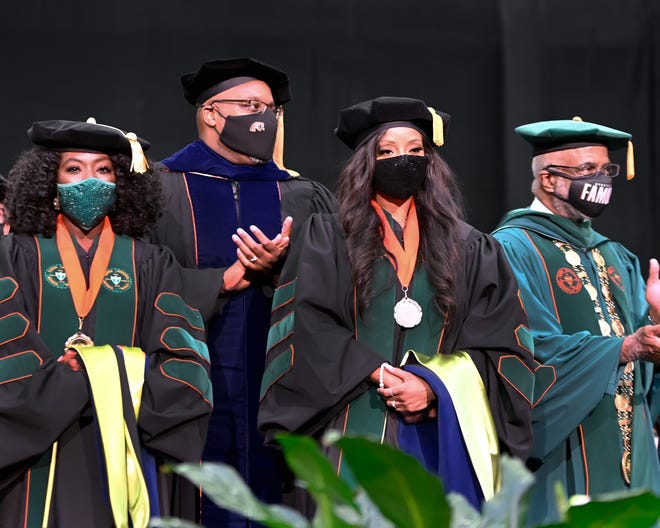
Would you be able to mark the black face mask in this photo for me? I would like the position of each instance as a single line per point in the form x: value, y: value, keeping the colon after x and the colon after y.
x: 399, y: 176
x: 252, y: 134
x: 590, y: 194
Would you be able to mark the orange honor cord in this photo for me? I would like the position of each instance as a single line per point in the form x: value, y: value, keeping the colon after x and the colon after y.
x: 405, y: 258
x: 407, y: 312
x: 83, y: 297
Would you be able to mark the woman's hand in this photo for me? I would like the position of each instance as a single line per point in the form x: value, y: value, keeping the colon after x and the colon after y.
x: 70, y: 358
x: 389, y: 379
x: 412, y: 398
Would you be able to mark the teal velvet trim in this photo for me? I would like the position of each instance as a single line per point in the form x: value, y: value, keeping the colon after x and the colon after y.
x: 284, y: 294
x: 172, y: 304
x: 8, y: 288
x: 525, y: 338
x: 519, y: 375
x: 175, y: 338
x: 12, y: 327
x: 192, y: 374
x: 276, y: 369
x: 280, y: 330
x: 18, y: 366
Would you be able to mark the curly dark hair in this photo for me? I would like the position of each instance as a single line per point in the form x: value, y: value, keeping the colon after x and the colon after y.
x: 439, y: 211
x: 33, y: 188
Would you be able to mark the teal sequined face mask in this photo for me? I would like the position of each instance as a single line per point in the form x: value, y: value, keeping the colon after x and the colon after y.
x: 86, y: 202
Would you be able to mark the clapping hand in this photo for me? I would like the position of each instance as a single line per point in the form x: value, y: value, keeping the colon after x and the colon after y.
x: 653, y: 290
x: 262, y: 254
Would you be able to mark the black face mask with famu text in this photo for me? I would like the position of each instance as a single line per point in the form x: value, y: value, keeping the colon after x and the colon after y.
x: 399, y: 176
x: 589, y: 194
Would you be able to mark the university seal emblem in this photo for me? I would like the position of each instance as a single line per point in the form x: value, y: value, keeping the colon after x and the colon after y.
x: 116, y: 280
x: 614, y: 276
x: 56, y: 276
x: 568, y: 281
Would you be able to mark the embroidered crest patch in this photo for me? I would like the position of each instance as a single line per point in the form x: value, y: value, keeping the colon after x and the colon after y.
x: 56, y: 277
x: 568, y: 281
x: 116, y: 280
x: 614, y: 276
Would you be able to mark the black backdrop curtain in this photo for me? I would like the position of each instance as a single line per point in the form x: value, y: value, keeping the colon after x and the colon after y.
x: 492, y: 65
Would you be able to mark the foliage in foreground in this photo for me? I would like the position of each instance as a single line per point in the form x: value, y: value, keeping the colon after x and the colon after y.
x: 394, y: 490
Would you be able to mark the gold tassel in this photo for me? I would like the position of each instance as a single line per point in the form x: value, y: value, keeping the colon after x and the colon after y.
x: 630, y: 162
x: 278, y: 150
x: 438, y: 128
x: 139, y: 162
x: 138, y: 159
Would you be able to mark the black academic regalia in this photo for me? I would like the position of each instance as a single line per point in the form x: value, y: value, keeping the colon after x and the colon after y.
x: 53, y: 403
x: 316, y: 367
x: 237, y: 332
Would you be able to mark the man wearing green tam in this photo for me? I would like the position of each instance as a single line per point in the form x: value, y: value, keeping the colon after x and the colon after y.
x: 593, y: 318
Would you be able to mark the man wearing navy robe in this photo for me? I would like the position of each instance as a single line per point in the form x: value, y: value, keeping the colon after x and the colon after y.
x: 231, y: 205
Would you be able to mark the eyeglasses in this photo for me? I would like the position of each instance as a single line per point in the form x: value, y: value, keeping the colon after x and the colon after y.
x: 572, y: 173
x: 253, y: 106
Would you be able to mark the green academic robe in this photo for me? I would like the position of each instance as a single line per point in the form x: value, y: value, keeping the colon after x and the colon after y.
x: 577, y: 441
x: 320, y: 352
x: 141, y: 304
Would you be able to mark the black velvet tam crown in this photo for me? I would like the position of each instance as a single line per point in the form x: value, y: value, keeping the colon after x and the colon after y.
x: 219, y: 75
x: 360, y: 121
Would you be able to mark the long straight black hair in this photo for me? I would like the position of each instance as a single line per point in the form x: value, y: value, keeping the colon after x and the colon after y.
x: 439, y: 211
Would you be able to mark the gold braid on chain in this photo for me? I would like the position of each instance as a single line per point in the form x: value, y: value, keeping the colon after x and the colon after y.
x: 623, y: 397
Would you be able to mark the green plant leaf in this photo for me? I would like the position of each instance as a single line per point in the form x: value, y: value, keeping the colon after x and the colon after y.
x: 640, y: 509
x: 371, y: 515
x: 171, y: 522
x: 509, y: 507
x: 306, y: 460
x: 400, y: 487
x: 225, y: 487
x: 335, y: 500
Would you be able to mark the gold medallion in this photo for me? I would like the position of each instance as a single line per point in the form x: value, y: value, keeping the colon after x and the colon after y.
x: 598, y: 258
x: 626, y: 466
x: 618, y: 328
x: 572, y: 258
x: 605, y: 291
x: 593, y: 293
x: 605, y: 328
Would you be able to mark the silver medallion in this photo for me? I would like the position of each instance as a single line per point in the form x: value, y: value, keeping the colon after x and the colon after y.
x: 407, y: 312
x: 78, y: 339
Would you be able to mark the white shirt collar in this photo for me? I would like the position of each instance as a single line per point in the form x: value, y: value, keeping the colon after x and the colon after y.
x: 537, y: 205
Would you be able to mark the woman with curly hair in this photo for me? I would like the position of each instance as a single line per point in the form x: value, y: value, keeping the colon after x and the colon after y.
x: 104, y: 373
x: 397, y: 319
x: 4, y: 223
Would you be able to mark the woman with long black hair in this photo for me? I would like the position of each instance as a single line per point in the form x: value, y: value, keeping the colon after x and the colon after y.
x: 397, y: 319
